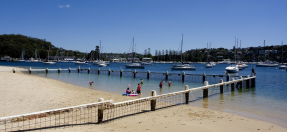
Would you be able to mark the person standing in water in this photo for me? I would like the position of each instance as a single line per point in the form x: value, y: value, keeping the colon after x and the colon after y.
x: 160, y: 84
x: 253, y: 71
x: 141, y: 81
x: 169, y: 83
x: 139, y: 89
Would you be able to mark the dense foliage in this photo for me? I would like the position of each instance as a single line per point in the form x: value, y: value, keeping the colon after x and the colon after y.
x: 12, y: 45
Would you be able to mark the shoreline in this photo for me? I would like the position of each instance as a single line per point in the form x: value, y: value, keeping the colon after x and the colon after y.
x: 43, y: 94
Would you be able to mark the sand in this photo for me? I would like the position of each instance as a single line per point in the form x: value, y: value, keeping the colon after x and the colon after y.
x: 22, y: 93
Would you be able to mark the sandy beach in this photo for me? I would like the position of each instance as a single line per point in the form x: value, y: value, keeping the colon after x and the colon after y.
x: 22, y: 93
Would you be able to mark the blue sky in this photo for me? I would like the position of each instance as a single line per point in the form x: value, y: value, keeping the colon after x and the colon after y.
x: 155, y: 24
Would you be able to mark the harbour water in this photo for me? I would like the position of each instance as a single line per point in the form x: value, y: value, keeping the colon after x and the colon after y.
x: 266, y: 101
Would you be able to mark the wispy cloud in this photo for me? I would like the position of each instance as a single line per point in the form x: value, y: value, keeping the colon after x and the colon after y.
x: 64, y: 6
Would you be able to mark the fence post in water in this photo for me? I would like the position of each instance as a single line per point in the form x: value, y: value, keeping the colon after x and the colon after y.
x: 153, y: 101
x: 205, y: 91
x: 166, y: 76
x: 227, y: 77
x: 89, y: 70
x: 30, y: 70
x: 121, y: 72
x: 253, y: 81
x: 203, y: 77
x: 241, y: 83
x: 46, y: 70
x: 183, y: 74
x: 99, y: 71
x: 148, y: 72
x: 79, y: 69
x: 221, y: 86
x: 69, y: 70
x: 247, y: 81
x: 101, y: 108
x: 109, y: 71
x: 232, y: 85
x: 59, y: 70
x: 135, y: 72
x: 14, y: 70
x: 186, y: 94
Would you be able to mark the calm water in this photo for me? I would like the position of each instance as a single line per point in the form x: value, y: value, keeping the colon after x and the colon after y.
x: 267, y: 101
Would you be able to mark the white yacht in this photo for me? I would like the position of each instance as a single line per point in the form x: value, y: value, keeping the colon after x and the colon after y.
x: 133, y: 64
x: 232, y: 68
x: 49, y: 62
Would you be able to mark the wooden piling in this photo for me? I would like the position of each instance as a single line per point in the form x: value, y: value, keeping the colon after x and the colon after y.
x: 14, y: 70
x: 186, y: 94
x: 99, y: 71
x: 135, y: 72
x: 59, y: 70
x: 153, y: 102
x: 101, y: 111
x: 247, y: 81
x: 89, y: 70
x: 203, y: 77
x: 30, y: 70
x: 253, y: 81
x: 232, y: 85
x: 46, y: 70
x: 241, y: 82
x: 121, y: 73
x: 148, y: 72
x: 69, y: 70
x: 166, y: 76
x: 79, y: 69
x: 205, y: 91
x: 227, y: 77
x: 221, y: 86
x: 182, y: 77
x: 109, y: 73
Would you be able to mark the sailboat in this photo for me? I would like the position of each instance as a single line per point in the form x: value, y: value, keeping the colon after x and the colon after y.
x: 182, y: 66
x: 133, y: 64
x: 22, y: 55
x: 266, y: 63
x: 282, y: 66
x: 208, y: 64
x: 101, y: 63
x: 233, y: 68
x: 49, y: 62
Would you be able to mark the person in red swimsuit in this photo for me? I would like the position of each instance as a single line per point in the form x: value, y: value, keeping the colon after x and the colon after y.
x: 139, y: 89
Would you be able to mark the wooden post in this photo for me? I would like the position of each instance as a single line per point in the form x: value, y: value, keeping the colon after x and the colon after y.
x: 241, y: 83
x: 101, y: 109
x: 79, y: 69
x: 135, y: 72
x: 99, y: 71
x: 221, y: 86
x: 182, y: 76
x: 89, y: 70
x: 186, y: 94
x: 47, y: 70
x: 109, y: 73
x: 166, y: 76
x: 205, y: 91
x: 232, y: 85
x: 14, y: 70
x: 227, y: 77
x: 153, y: 102
x: 59, y: 70
x: 203, y: 77
x: 253, y: 81
x: 121, y: 73
x: 247, y: 81
x: 30, y: 70
x: 148, y: 72
x: 69, y: 70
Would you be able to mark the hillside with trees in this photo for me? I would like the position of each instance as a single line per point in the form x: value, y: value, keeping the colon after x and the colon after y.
x: 12, y: 45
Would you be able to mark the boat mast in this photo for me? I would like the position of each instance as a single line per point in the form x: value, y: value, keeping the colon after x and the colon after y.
x: 235, y: 49
x: 133, y: 49
x: 181, y: 47
x: 48, y: 54
x: 282, y: 53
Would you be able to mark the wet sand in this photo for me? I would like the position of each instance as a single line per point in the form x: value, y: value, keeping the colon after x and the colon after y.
x: 22, y: 93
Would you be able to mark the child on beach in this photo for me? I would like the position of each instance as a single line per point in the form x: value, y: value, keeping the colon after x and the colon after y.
x: 128, y: 91
x: 139, y: 89
x: 141, y: 81
x: 169, y: 83
x: 133, y: 92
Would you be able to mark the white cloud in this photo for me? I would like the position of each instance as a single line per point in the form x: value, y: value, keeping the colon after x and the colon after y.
x: 63, y: 6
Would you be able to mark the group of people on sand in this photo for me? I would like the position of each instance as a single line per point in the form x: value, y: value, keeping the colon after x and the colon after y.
x: 139, y: 88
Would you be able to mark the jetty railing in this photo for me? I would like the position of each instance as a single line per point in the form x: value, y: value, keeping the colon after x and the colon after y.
x: 104, y: 111
x: 142, y: 74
